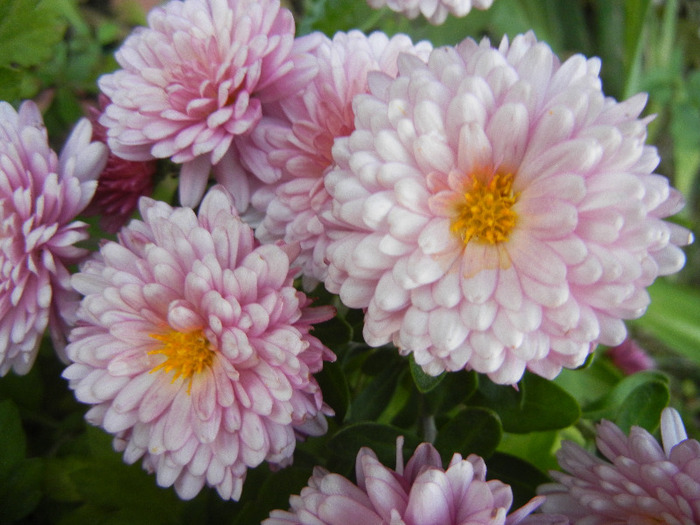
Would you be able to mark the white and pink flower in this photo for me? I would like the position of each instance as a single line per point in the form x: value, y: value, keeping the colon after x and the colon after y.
x: 435, y: 11
x: 40, y: 196
x: 422, y: 493
x: 637, y: 482
x: 194, y: 348
x: 494, y: 210
x: 294, y: 146
x: 195, y: 79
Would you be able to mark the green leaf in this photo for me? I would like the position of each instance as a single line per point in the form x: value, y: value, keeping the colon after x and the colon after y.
x: 643, y: 406
x: 376, y: 396
x: 636, y: 12
x: 672, y: 317
x: 586, y: 384
x: 98, y: 483
x: 335, y: 389
x: 537, y: 448
x: 272, y: 493
x: 20, y: 478
x: 13, y: 443
x: 333, y: 333
x: 59, y: 482
x: 521, y: 475
x: 28, y: 31
x: 609, y: 19
x: 424, y: 383
x: 473, y: 430
x: 330, y: 16
x: 20, y: 491
x: 538, y: 405
x: 636, y: 400
x: 380, y: 438
x: 454, y: 391
x: 10, y: 80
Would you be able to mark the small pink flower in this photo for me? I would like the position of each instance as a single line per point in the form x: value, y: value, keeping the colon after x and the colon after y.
x: 40, y: 196
x: 294, y: 147
x: 630, y: 357
x: 194, y: 80
x: 195, y: 349
x: 435, y: 11
x: 120, y: 184
x: 494, y: 211
x: 423, y: 493
x: 640, y: 483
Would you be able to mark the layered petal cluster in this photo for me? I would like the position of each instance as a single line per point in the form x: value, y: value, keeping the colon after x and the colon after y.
x: 195, y: 348
x: 494, y: 211
x: 40, y: 196
x: 435, y: 11
x: 120, y: 184
x: 294, y: 146
x: 422, y: 493
x: 195, y: 79
x: 640, y: 483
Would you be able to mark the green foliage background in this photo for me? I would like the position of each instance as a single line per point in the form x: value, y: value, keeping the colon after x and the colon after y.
x: 54, y: 468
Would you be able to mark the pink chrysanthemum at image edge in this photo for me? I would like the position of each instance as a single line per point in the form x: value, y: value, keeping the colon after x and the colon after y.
x: 40, y: 196
x: 422, y: 493
x: 195, y: 79
x: 294, y: 147
x: 494, y: 211
x: 121, y: 182
x: 195, y: 348
x: 435, y: 11
x: 640, y: 483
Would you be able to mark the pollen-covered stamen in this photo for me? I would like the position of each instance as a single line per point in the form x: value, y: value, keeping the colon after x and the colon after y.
x: 484, y: 214
x: 187, y: 354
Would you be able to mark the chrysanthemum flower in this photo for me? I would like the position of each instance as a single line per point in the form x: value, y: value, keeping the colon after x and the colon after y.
x: 121, y: 182
x: 493, y: 210
x: 422, y: 493
x: 195, y: 79
x: 295, y: 147
x: 40, y: 196
x: 195, y: 348
x: 435, y: 11
x: 641, y: 483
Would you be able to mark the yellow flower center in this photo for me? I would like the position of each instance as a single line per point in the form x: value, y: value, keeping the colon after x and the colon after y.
x: 187, y: 354
x: 485, y: 214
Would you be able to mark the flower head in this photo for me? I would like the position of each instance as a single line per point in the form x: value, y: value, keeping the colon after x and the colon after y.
x: 435, y: 11
x: 494, y: 211
x: 120, y: 184
x: 194, y: 80
x: 40, y: 196
x: 640, y: 483
x: 422, y: 493
x: 194, y: 347
x: 294, y: 147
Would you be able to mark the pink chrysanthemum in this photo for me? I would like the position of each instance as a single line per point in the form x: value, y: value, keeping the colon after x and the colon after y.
x: 435, y: 11
x: 195, y: 79
x: 194, y: 347
x: 120, y: 184
x: 423, y: 493
x: 640, y: 484
x: 295, y: 147
x: 493, y: 210
x: 40, y: 196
